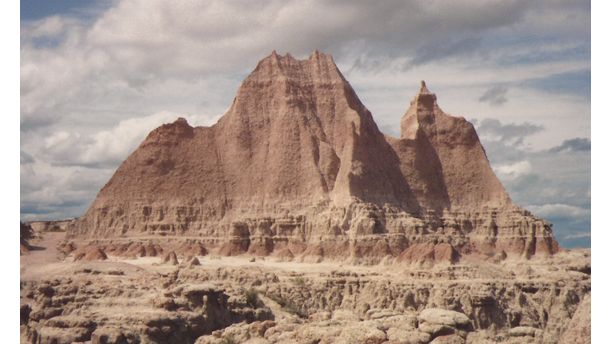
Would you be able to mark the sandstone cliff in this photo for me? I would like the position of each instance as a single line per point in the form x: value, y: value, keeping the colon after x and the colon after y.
x: 298, y: 168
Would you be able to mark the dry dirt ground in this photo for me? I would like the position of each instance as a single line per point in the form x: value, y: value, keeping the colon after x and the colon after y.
x: 266, y: 300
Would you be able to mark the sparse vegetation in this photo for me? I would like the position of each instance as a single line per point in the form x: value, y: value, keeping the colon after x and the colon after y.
x: 292, y: 308
x: 252, y: 297
x: 26, y: 232
x: 299, y: 281
x: 288, y: 305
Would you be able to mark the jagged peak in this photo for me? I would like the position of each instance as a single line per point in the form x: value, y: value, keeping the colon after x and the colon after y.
x: 181, y: 121
x: 276, y: 56
x: 424, y: 97
x: 314, y: 83
x: 424, y: 89
x: 278, y: 59
x: 421, y: 108
x: 316, y: 54
x: 318, y: 66
x: 171, y: 132
x: 287, y: 61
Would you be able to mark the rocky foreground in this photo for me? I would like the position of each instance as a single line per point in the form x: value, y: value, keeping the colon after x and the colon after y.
x: 177, y: 298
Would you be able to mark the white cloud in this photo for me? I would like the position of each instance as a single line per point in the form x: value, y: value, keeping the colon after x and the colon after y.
x: 577, y: 236
x: 510, y: 134
x: 513, y: 171
x: 563, y: 211
x: 107, y: 148
x: 58, y: 191
x: 495, y: 96
x: 46, y: 27
x: 57, y: 138
x: 114, y: 145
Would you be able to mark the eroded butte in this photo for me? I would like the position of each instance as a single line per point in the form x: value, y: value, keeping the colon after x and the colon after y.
x: 293, y: 219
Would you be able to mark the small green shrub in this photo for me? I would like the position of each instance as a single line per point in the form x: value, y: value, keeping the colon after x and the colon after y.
x: 252, y: 298
x: 299, y: 281
x: 294, y: 309
x: 288, y: 306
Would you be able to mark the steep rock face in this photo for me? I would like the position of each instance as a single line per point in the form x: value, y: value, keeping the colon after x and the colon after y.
x: 443, y: 160
x: 297, y: 165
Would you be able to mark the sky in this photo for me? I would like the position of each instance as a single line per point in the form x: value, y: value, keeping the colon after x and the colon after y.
x: 97, y: 76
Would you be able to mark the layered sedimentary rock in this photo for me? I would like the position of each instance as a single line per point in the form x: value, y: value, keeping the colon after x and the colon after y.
x: 262, y: 301
x: 298, y: 168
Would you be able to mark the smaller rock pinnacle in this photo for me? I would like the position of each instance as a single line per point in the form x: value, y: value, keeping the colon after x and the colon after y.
x: 423, y: 87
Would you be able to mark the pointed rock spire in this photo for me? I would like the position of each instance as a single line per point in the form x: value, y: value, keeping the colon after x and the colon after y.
x: 424, y: 89
x: 424, y: 98
x: 316, y: 54
x: 421, y: 109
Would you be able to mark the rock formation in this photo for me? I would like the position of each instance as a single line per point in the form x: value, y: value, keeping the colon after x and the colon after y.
x: 535, y: 301
x: 89, y: 253
x: 298, y: 168
x: 50, y: 226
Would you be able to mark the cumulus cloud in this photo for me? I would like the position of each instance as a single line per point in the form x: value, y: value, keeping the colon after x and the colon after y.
x: 513, y: 171
x: 578, y: 144
x: 571, y: 224
x: 143, y: 40
x: 559, y: 211
x: 58, y: 191
x: 495, y: 96
x: 553, y: 186
x: 577, y: 236
x: 107, y: 148
x: 53, y: 26
x: 491, y: 129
